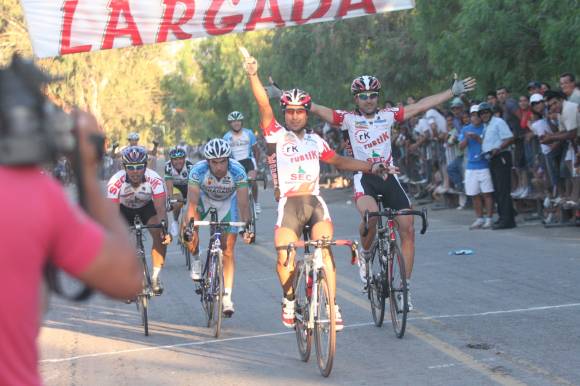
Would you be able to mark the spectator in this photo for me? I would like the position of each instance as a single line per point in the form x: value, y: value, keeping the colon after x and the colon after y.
x: 568, y: 117
x: 491, y: 98
x: 540, y: 128
x: 97, y: 251
x: 497, y: 137
x: 534, y: 87
x: 525, y: 162
x: 511, y: 115
x: 477, y: 175
x: 458, y: 110
x: 569, y: 87
x: 544, y: 87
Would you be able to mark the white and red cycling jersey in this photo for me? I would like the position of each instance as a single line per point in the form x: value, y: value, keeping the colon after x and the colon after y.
x: 297, y: 160
x: 119, y: 190
x: 370, y: 139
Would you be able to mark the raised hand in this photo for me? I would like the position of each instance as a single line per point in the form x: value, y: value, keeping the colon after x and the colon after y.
x: 462, y: 86
x: 249, y: 62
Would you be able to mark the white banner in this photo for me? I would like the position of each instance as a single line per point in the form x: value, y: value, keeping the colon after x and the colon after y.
x: 72, y: 26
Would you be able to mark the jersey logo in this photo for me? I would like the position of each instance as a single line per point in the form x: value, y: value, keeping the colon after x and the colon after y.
x: 301, y: 175
x: 289, y: 148
x: 362, y: 135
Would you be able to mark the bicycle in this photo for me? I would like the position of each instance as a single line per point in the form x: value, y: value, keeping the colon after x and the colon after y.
x: 182, y: 245
x: 142, y: 300
x: 211, y: 285
x: 253, y: 217
x: 385, y: 270
x: 314, y: 301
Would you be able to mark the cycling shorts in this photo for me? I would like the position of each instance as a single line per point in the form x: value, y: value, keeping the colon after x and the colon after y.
x: 394, y: 195
x: 248, y: 164
x: 227, y: 210
x: 181, y: 189
x: 145, y: 213
x: 298, y: 211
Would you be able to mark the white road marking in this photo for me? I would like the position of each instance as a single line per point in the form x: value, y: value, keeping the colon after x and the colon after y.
x: 249, y: 337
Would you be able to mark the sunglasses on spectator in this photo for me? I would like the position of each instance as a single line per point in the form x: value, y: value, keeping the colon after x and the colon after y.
x: 368, y: 95
x: 135, y: 167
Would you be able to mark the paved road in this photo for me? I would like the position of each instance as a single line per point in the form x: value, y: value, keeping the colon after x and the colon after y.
x: 509, y: 314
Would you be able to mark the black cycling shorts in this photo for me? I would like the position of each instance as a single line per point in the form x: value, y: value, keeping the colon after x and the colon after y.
x: 182, y: 189
x: 248, y: 164
x: 145, y: 213
x: 394, y: 195
x: 298, y: 211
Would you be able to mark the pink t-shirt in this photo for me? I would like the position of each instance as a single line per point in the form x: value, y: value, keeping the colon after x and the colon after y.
x: 37, y: 224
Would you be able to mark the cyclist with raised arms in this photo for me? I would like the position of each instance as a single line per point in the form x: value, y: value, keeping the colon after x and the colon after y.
x: 176, y: 176
x: 218, y: 182
x: 140, y: 191
x: 367, y: 132
x: 298, y: 154
x: 245, y: 150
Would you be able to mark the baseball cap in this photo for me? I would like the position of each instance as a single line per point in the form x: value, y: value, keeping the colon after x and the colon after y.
x: 536, y: 98
x: 474, y: 109
x: 534, y: 84
x: 456, y: 102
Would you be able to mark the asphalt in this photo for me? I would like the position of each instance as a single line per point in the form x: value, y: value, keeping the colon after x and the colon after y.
x: 507, y: 314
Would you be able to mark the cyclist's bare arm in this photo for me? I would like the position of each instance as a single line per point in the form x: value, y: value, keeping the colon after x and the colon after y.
x: 257, y: 153
x: 323, y: 112
x: 461, y: 86
x: 243, y: 203
x: 159, y: 204
x: 192, y: 200
x: 251, y: 67
x: 349, y: 164
x: 115, y: 271
x: 169, y: 186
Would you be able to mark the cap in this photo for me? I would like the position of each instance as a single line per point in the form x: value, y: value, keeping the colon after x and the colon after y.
x: 536, y: 98
x: 456, y: 102
x: 474, y: 109
x: 534, y: 84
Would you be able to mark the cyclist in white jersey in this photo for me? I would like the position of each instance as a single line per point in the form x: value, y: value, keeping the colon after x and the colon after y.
x: 141, y: 191
x: 245, y: 150
x: 298, y: 154
x: 367, y: 132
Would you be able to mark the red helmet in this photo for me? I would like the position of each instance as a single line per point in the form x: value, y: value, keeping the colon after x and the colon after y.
x: 295, y: 97
x: 365, y: 83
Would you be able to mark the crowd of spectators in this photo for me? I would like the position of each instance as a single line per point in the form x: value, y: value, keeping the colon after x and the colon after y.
x: 502, y: 149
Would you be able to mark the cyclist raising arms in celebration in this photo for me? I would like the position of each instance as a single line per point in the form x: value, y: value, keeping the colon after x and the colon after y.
x: 176, y: 176
x: 245, y: 150
x: 141, y: 191
x: 368, y: 136
x: 221, y: 183
x: 298, y: 154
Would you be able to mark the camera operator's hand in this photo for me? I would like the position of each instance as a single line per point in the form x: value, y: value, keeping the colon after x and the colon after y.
x: 87, y: 128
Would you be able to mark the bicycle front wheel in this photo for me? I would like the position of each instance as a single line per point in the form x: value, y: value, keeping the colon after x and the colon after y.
x: 376, y: 284
x: 302, y: 288
x: 142, y: 303
x: 216, y: 295
x: 187, y: 255
x: 398, y: 291
x: 324, y: 325
x: 252, y: 222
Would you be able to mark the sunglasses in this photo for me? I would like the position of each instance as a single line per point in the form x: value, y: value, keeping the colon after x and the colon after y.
x: 368, y: 95
x: 135, y: 167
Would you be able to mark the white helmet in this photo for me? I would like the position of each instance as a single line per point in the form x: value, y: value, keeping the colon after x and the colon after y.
x: 235, y: 116
x: 133, y: 136
x: 217, y: 148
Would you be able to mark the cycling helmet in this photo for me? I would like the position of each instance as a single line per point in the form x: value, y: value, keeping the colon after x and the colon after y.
x: 235, y: 116
x: 176, y: 152
x: 133, y: 136
x: 365, y: 83
x: 295, y: 97
x: 134, y: 155
x: 217, y: 148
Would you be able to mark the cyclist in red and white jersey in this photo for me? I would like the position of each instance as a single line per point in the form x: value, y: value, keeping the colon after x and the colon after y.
x: 141, y: 191
x: 297, y: 155
x: 367, y: 132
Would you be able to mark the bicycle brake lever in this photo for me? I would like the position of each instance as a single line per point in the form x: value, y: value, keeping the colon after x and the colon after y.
x: 425, y: 222
x: 366, y: 223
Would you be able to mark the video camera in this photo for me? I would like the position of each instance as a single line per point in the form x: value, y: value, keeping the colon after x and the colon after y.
x: 33, y: 130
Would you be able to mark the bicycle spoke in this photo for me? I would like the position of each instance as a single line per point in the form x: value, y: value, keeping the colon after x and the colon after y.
x: 301, y: 310
x: 376, y: 285
x: 325, y: 328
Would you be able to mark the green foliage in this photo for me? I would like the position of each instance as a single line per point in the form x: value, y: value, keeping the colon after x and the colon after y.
x: 184, y: 90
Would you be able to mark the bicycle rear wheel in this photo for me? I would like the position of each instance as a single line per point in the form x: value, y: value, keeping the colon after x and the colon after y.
x: 376, y: 284
x: 398, y: 291
x: 302, y: 310
x: 324, y: 326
